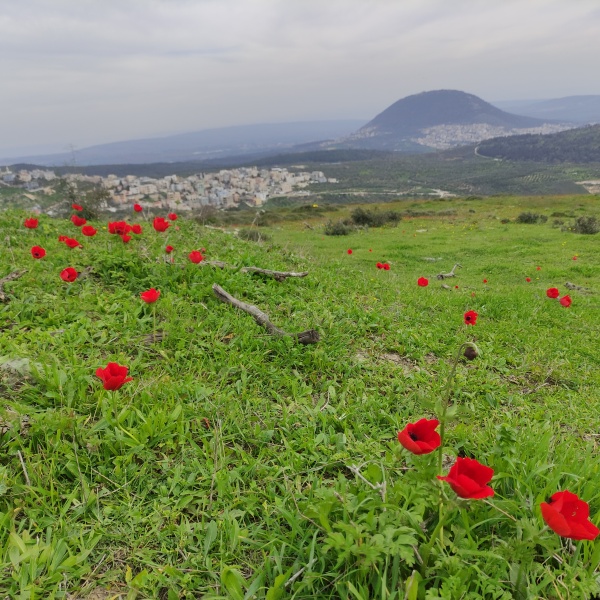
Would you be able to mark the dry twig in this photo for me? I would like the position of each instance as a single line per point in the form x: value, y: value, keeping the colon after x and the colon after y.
x: 10, y: 277
x: 311, y: 336
x: 450, y: 274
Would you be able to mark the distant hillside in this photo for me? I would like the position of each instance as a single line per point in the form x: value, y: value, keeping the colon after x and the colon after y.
x: 575, y: 109
x: 268, y: 138
x: 581, y: 145
x: 439, y: 120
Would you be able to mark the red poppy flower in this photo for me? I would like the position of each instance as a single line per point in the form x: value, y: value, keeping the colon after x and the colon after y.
x: 422, y: 282
x: 69, y: 274
x: 552, y: 293
x: 77, y: 220
x: 574, y: 258
x: 386, y: 267
x: 470, y: 317
x: 137, y: 229
x: 566, y: 301
x: 113, y: 376
x: 160, y: 224
x: 71, y: 242
x: 538, y: 268
x: 119, y: 227
x: 379, y: 265
x: 455, y: 287
x: 169, y: 249
x: 485, y: 281
x: 568, y: 516
x: 196, y: 257
x: 89, y: 231
x: 349, y: 251
x: 62, y: 238
x: 172, y: 217
x: 126, y: 238
x: 469, y: 479
x: 31, y: 223
x: 150, y: 296
x: 420, y: 437
x: 527, y: 279
x: 138, y: 208
x: 76, y: 207
x: 38, y: 252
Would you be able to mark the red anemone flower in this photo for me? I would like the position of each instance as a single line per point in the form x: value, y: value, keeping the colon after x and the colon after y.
x: 552, y: 293
x: 485, y: 281
x: 89, y: 231
x: 119, y: 227
x: 150, y: 296
x: 349, y: 251
x: 568, y: 516
x: 527, y: 279
x: 575, y: 258
x: 172, y: 217
x: 386, y: 267
x: 566, y: 301
x: 72, y: 243
x: 169, y: 249
x: 469, y: 479
x: 31, y: 223
x: 160, y: 224
x: 38, y: 252
x: 379, y: 265
x: 113, y: 376
x: 137, y: 229
x: 470, y: 317
x: 76, y: 207
x: 69, y: 274
x: 138, y: 208
x: 422, y: 282
x: 420, y: 437
x: 77, y: 220
x: 62, y: 238
x: 538, y: 268
x: 126, y: 238
x: 196, y: 257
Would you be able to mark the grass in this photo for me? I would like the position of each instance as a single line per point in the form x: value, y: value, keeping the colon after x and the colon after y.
x: 228, y: 467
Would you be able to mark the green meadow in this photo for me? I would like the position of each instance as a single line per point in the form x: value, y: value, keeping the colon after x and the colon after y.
x: 239, y: 464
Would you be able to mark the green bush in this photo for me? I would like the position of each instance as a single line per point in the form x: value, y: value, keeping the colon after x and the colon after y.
x: 587, y: 225
x: 337, y: 228
x: 253, y: 235
x: 531, y: 218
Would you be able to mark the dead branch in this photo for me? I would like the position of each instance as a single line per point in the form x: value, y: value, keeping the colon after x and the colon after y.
x: 310, y: 336
x: 219, y: 264
x: 277, y: 275
x: 10, y: 277
x: 450, y: 274
x: 579, y: 288
x: 446, y: 287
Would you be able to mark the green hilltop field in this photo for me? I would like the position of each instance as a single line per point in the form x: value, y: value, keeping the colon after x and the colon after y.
x: 239, y: 464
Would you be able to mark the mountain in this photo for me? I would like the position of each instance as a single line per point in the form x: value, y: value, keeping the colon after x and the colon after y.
x: 438, y: 120
x: 581, y: 145
x: 576, y: 109
x: 269, y: 138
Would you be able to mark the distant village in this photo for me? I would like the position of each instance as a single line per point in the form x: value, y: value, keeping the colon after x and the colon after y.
x: 228, y: 188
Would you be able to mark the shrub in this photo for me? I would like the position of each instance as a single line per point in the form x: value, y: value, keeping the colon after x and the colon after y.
x: 529, y: 217
x: 360, y: 216
x: 337, y: 228
x: 587, y: 225
x: 253, y: 235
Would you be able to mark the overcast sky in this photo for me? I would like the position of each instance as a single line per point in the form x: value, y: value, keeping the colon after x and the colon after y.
x: 82, y: 72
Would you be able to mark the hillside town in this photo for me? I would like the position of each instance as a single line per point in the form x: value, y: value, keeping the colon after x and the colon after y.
x: 227, y: 188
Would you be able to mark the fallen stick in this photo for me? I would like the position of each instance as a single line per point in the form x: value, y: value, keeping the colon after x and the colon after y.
x: 10, y: 277
x: 311, y: 336
x: 579, y: 288
x: 450, y: 274
x: 277, y: 275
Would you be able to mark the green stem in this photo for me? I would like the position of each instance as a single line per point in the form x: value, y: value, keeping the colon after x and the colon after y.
x: 154, y: 321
